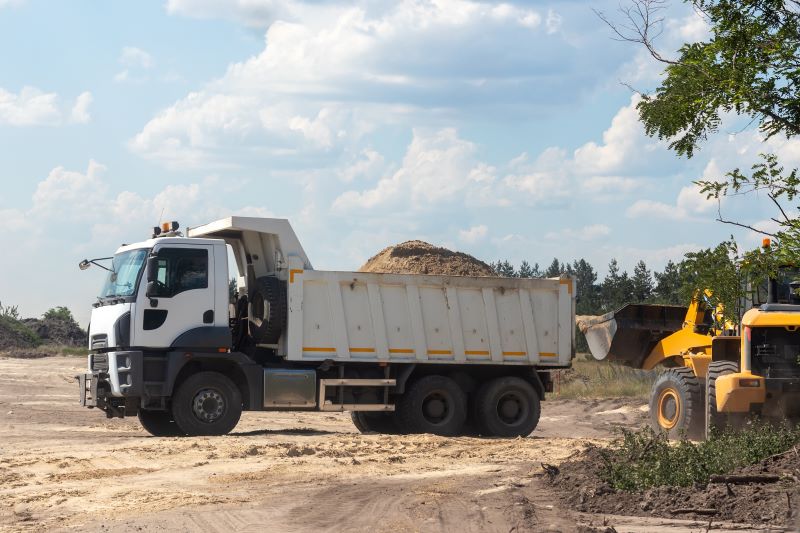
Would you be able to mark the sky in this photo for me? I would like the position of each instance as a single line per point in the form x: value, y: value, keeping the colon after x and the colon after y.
x: 505, y: 130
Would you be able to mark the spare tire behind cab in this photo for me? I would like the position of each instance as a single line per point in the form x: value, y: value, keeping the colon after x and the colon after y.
x: 267, y: 314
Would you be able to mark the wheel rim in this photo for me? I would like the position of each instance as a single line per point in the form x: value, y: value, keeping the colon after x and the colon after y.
x: 512, y: 408
x: 437, y: 408
x: 208, y: 405
x: 669, y: 408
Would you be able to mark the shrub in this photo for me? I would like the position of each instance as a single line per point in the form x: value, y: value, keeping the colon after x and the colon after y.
x: 59, y: 313
x: 642, y: 459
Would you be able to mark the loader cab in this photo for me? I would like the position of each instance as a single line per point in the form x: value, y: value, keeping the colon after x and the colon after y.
x: 782, y: 288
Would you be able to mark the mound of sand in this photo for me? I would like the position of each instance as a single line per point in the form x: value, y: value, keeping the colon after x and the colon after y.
x: 419, y: 257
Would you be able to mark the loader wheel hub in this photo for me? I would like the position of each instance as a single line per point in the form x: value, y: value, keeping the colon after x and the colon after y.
x: 669, y: 408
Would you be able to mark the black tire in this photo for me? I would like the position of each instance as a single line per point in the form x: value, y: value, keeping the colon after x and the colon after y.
x: 267, y: 310
x: 714, y: 419
x: 374, y: 422
x: 507, y: 407
x: 432, y: 404
x: 676, y: 404
x: 207, y: 403
x: 159, y: 423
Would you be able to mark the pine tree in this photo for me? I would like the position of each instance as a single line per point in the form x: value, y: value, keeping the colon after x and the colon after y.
x: 588, y: 290
x: 504, y: 269
x: 554, y: 270
x: 641, y: 283
x: 668, y: 285
x: 525, y: 270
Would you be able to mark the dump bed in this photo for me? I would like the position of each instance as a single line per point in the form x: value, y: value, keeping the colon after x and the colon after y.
x: 429, y: 319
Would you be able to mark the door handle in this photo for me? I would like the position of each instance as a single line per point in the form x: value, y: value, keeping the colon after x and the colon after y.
x: 208, y: 317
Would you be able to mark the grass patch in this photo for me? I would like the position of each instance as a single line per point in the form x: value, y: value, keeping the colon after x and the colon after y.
x: 643, y: 459
x: 602, y: 379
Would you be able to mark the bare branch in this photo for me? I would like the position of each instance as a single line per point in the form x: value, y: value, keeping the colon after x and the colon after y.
x: 779, y: 207
x: 732, y: 223
x: 643, y: 26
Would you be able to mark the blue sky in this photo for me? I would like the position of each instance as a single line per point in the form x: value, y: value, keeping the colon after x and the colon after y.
x: 500, y: 129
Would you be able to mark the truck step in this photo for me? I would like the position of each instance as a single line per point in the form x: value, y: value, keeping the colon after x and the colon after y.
x: 328, y: 405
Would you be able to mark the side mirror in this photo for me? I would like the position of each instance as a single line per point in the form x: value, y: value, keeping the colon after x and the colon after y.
x: 152, y: 268
x: 152, y: 290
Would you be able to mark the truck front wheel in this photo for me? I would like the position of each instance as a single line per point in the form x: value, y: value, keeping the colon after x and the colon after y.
x: 207, y: 403
x: 432, y: 404
x: 159, y: 423
x: 507, y: 407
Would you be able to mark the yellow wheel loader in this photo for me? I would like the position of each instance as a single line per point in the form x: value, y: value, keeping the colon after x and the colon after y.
x: 712, y: 376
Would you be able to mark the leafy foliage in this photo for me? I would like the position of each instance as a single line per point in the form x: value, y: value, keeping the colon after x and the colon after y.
x: 749, y: 66
x: 59, y: 313
x: 642, y: 459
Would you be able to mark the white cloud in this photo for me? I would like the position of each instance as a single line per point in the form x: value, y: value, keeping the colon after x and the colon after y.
x: 31, y: 107
x: 11, y: 3
x: 591, y: 232
x: 610, y: 185
x: 370, y: 165
x: 80, y: 110
x: 132, y: 56
x: 474, y: 234
x: 553, y: 22
x: 331, y: 73
x: 690, y: 204
x: 438, y: 168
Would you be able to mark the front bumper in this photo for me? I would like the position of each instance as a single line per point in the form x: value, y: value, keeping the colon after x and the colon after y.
x: 88, y: 389
x: 114, y: 381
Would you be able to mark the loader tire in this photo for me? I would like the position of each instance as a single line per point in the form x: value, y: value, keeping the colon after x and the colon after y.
x: 370, y: 422
x: 432, y: 404
x: 716, y: 421
x: 676, y: 404
x: 507, y: 407
x: 207, y: 403
x: 159, y: 423
x: 268, y: 309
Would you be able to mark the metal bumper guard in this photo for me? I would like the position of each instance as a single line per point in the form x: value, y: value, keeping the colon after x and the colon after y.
x: 87, y: 388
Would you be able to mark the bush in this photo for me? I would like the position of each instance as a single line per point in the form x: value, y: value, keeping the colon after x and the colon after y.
x: 59, y: 313
x: 643, y: 459
x: 9, y: 311
x: 603, y: 379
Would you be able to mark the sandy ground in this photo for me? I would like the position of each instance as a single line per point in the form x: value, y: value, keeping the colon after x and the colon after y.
x: 63, y: 466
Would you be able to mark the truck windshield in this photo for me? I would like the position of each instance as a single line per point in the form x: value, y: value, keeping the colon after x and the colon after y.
x: 121, y: 281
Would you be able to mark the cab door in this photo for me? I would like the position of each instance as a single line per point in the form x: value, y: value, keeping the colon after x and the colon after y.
x: 181, y: 299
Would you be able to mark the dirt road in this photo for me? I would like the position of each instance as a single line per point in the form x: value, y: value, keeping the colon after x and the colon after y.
x: 63, y: 466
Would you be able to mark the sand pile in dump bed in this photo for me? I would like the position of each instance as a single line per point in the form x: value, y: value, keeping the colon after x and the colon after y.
x: 419, y: 257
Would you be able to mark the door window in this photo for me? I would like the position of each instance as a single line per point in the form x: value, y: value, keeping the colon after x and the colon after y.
x: 180, y: 270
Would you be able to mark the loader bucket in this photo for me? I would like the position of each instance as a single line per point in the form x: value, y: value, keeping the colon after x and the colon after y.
x: 630, y: 333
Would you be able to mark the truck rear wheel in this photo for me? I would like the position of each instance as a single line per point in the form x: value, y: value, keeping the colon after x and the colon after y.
x: 374, y: 422
x: 159, y: 423
x: 433, y: 404
x: 676, y: 404
x: 267, y: 314
x: 207, y: 403
x: 714, y: 419
x: 507, y: 407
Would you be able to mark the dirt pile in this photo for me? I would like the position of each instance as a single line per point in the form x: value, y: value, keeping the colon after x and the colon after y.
x: 29, y: 333
x: 773, y: 503
x: 419, y: 257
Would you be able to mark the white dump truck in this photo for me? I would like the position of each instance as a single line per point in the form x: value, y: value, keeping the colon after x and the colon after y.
x: 189, y: 331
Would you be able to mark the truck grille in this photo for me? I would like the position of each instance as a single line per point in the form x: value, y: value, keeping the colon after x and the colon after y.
x: 99, y: 341
x: 99, y: 362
